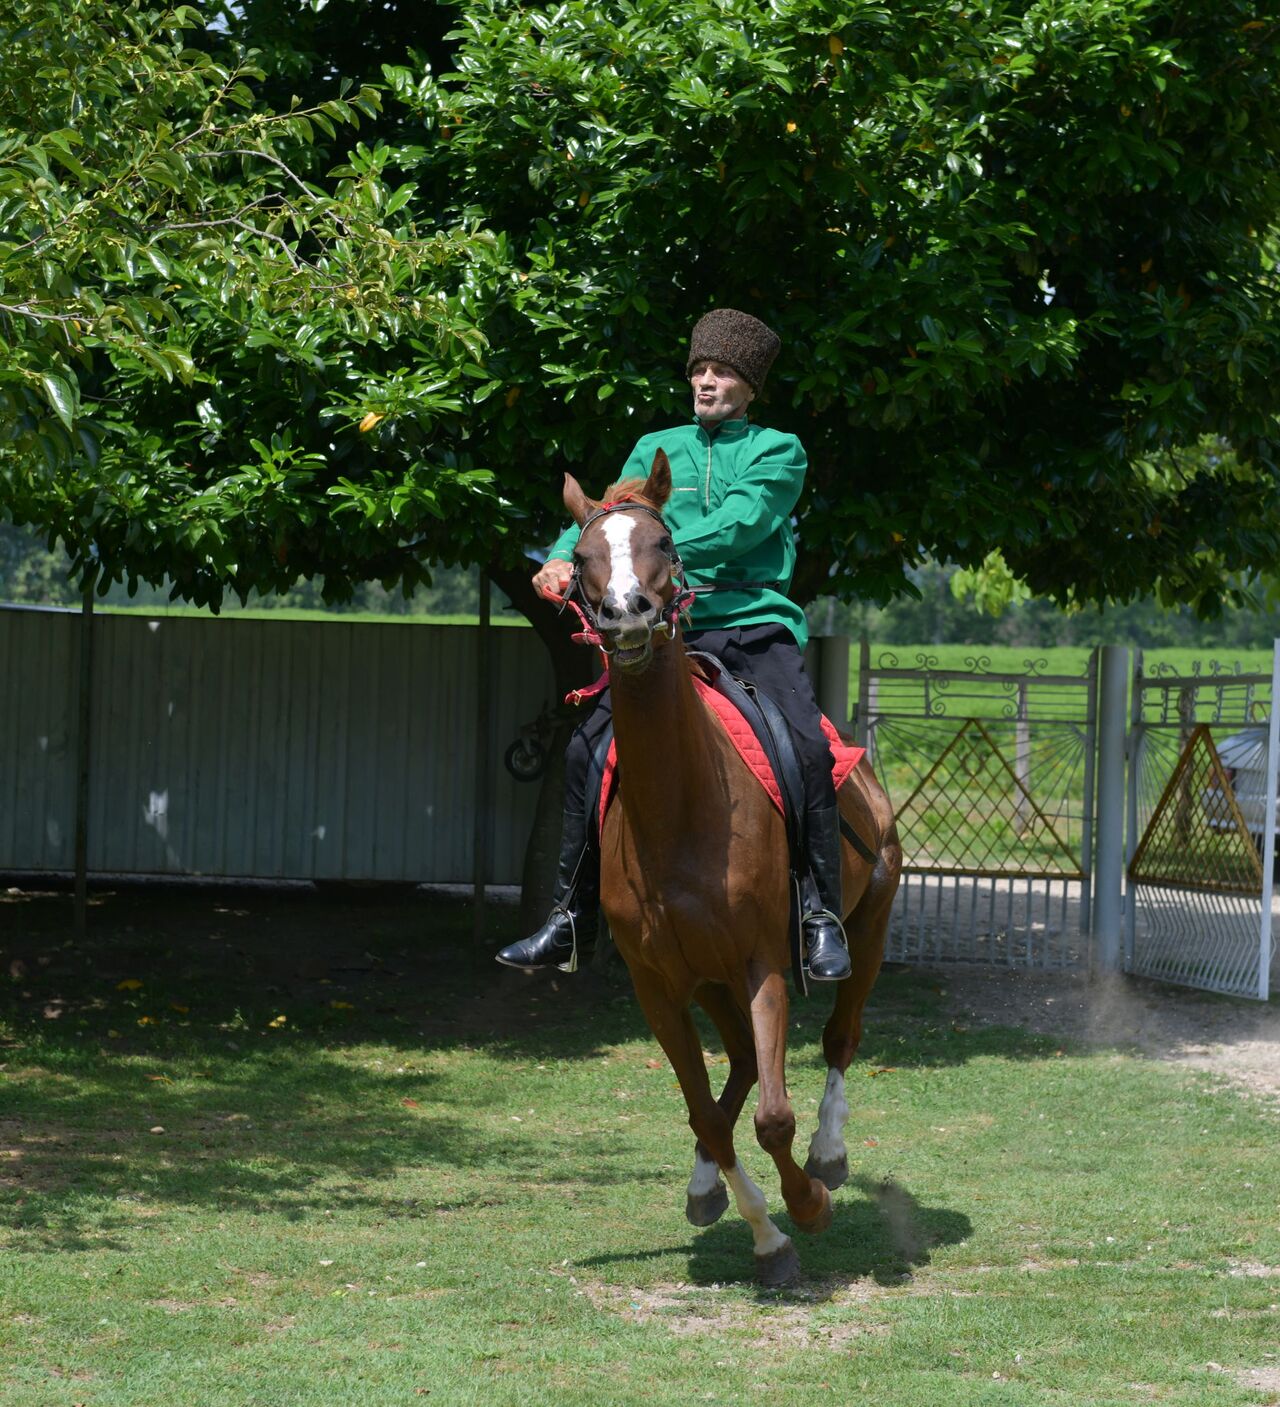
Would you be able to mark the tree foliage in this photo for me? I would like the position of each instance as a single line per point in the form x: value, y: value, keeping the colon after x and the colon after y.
x: 1016, y: 253
x: 193, y: 332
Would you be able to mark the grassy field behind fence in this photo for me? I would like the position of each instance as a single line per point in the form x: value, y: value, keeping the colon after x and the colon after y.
x: 971, y: 813
x: 279, y: 1150
x: 988, y: 699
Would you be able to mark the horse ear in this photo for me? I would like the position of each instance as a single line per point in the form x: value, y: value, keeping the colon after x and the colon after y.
x: 578, y: 504
x: 657, y: 488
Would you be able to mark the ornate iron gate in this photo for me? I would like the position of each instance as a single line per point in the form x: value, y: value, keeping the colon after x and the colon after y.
x: 991, y: 775
x: 1201, y: 828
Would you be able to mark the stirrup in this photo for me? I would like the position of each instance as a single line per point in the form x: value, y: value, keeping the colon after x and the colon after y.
x: 572, y: 965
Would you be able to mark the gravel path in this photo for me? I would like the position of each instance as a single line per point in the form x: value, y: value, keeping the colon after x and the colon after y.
x: 1237, y: 1039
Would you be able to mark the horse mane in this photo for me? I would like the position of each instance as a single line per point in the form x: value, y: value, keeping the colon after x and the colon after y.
x: 628, y: 491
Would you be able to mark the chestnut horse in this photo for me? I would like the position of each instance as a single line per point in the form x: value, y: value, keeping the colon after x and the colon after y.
x: 695, y: 887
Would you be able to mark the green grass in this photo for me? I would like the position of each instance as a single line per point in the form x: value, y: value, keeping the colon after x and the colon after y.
x: 434, y: 1180
x: 1060, y: 660
x: 965, y: 814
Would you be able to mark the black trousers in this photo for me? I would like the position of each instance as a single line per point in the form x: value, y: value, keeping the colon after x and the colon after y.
x: 764, y: 655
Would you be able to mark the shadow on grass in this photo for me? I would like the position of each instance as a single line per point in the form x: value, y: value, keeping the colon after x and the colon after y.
x: 880, y: 1233
x: 279, y: 1040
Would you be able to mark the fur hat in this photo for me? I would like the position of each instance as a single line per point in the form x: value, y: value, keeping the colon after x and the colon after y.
x: 736, y: 339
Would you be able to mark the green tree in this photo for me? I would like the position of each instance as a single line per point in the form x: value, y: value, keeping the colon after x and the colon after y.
x: 194, y: 371
x: 1015, y: 254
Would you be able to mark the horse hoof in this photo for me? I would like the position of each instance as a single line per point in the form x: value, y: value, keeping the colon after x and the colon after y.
x: 822, y: 1220
x: 831, y: 1174
x: 779, y: 1267
x: 708, y: 1208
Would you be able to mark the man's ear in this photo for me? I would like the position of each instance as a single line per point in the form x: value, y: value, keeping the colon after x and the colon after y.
x: 579, y: 505
x: 657, y: 487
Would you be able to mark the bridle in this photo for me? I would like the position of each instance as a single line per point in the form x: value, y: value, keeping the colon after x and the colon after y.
x: 592, y: 632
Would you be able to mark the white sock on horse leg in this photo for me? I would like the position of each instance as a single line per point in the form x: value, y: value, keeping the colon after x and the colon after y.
x: 754, y: 1210
x: 827, y: 1144
x: 706, y: 1174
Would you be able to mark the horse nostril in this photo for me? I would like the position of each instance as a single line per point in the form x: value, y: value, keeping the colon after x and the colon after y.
x: 609, y: 610
x: 640, y: 604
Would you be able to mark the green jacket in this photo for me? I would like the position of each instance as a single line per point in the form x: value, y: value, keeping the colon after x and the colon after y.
x: 733, y: 492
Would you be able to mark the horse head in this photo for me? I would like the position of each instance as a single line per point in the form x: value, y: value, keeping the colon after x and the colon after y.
x: 626, y: 568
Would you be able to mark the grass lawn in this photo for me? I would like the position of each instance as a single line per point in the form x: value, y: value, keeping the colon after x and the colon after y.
x: 276, y: 1149
x: 1070, y: 660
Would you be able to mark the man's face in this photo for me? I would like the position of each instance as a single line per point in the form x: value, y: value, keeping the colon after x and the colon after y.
x: 719, y: 393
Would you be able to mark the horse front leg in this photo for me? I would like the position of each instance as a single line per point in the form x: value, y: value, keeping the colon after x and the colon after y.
x: 671, y: 1023
x: 707, y: 1198
x: 807, y: 1199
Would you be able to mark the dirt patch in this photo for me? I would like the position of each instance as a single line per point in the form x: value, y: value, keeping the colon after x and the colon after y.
x: 807, y: 1317
x: 1231, y: 1037
x: 1261, y: 1380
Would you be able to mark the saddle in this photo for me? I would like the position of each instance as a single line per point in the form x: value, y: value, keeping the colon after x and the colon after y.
x: 763, y: 739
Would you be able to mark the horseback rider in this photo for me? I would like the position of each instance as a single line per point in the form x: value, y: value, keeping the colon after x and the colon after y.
x: 736, y: 485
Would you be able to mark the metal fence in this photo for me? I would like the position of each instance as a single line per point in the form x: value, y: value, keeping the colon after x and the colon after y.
x: 991, y: 775
x: 1201, y: 827
x: 332, y: 750
x: 263, y: 748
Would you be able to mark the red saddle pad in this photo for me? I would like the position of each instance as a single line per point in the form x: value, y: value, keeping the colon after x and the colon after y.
x: 748, y: 746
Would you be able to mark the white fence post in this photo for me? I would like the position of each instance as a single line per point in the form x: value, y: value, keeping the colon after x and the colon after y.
x: 1269, y: 829
x: 1108, y: 868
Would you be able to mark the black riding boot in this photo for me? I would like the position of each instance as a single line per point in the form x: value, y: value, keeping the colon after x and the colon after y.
x: 820, y: 898
x: 568, y: 936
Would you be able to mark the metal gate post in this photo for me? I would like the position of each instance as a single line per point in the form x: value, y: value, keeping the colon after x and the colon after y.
x: 833, y: 678
x: 1108, y: 868
x: 1134, y: 757
x: 1269, y: 831
x: 860, y: 717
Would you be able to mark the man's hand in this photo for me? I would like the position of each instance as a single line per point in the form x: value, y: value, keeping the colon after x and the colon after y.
x: 552, y: 577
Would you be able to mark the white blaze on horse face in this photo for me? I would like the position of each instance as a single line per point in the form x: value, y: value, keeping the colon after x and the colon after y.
x: 754, y: 1210
x: 617, y: 529
x: 827, y: 1145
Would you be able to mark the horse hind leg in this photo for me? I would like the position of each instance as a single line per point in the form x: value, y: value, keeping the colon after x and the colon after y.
x: 828, y: 1158
x: 706, y: 1198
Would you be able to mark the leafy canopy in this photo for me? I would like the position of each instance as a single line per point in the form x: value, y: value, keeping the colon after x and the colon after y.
x: 1014, y: 251
x: 192, y: 325
x: 1016, y: 254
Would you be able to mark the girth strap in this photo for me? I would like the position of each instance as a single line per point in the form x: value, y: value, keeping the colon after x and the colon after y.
x: 854, y: 839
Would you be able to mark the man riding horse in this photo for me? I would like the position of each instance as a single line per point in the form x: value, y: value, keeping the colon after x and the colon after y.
x: 736, y: 485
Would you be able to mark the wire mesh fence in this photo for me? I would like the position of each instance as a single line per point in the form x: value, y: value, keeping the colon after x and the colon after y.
x: 991, y: 776
x: 1202, y: 783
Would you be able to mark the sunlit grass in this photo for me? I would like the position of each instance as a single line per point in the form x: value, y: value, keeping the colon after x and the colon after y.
x: 318, y: 1155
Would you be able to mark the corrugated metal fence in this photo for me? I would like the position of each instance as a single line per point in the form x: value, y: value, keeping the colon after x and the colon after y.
x: 275, y: 749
